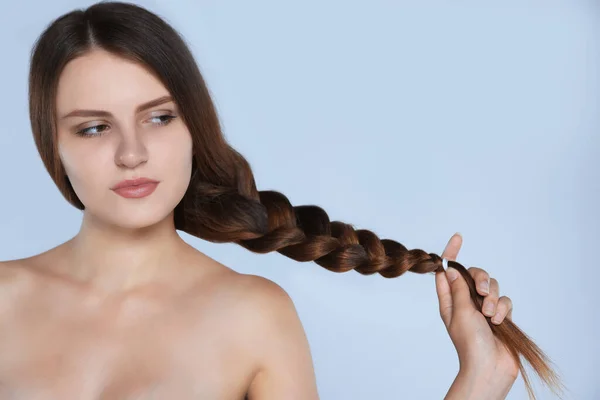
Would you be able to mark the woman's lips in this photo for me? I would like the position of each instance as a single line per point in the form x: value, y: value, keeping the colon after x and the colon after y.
x: 137, y: 191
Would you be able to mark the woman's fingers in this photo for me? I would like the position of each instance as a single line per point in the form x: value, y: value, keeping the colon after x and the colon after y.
x: 461, y: 298
x: 482, y: 280
x: 494, y: 306
x: 442, y: 287
x: 490, y: 302
x: 453, y: 247
x: 441, y: 282
x: 503, y: 310
x: 487, y: 287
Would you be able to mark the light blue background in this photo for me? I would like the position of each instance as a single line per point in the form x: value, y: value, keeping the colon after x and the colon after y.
x: 415, y: 121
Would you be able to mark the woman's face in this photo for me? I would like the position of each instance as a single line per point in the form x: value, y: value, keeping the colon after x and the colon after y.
x: 122, y: 142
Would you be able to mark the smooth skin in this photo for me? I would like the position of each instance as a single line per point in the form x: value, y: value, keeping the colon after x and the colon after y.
x: 487, y: 369
x: 126, y: 309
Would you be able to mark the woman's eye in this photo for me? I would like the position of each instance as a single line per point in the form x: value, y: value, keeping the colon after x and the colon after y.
x: 87, y: 132
x: 95, y: 130
x: 163, y: 122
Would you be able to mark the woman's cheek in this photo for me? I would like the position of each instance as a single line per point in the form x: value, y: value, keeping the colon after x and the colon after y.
x: 90, y: 177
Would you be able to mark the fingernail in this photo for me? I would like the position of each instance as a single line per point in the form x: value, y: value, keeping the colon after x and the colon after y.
x: 485, y: 287
x: 452, y: 274
x: 496, y: 318
x: 488, y: 309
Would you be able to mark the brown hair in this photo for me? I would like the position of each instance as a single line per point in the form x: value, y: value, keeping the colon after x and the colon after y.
x: 222, y: 203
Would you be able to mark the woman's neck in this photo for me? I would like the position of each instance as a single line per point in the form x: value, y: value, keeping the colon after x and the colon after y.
x: 117, y: 259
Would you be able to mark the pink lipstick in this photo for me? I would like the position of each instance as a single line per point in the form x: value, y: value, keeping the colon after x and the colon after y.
x: 135, y: 188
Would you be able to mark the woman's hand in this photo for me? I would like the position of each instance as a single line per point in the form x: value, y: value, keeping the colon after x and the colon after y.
x: 486, y: 366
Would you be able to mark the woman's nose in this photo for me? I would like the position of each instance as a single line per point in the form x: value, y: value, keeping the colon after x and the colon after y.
x: 131, y: 151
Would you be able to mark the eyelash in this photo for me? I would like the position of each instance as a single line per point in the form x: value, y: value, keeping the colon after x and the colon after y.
x: 83, y: 133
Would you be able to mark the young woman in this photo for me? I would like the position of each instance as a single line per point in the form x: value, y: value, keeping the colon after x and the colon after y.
x: 126, y: 309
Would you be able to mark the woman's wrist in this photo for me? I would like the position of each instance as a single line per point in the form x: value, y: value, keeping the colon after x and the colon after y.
x: 475, y: 384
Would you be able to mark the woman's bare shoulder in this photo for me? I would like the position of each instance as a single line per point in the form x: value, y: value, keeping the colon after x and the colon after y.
x: 271, y: 333
x: 24, y: 265
x: 15, y: 276
x: 259, y: 304
x: 252, y: 291
x: 249, y: 297
x: 10, y: 269
x: 226, y: 281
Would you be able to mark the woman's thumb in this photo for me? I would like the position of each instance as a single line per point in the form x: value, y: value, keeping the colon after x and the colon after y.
x: 461, y: 296
x: 442, y: 288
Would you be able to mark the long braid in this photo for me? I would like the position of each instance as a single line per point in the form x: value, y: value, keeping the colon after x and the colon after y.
x: 305, y: 233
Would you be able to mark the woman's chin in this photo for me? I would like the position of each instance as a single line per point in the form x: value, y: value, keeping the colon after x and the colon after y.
x: 132, y: 219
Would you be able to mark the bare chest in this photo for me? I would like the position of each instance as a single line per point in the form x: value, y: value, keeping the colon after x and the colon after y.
x: 49, y: 354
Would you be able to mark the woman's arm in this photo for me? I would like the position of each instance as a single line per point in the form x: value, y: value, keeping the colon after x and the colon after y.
x: 279, y: 345
x: 482, y: 384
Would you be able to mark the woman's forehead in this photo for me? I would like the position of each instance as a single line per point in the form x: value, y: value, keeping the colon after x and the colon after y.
x: 101, y: 80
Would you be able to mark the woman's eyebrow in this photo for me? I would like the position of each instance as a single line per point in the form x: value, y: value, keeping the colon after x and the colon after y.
x: 102, y: 113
